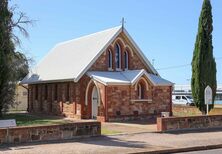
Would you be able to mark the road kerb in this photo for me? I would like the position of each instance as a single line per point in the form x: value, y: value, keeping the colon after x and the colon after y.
x: 176, y: 150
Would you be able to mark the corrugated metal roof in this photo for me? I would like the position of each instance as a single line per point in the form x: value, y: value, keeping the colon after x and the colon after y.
x: 157, y: 80
x: 69, y: 60
x: 126, y: 77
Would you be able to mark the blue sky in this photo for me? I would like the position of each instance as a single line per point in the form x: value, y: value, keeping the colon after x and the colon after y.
x: 165, y: 30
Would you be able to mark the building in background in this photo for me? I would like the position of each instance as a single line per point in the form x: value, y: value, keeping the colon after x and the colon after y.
x: 21, y: 99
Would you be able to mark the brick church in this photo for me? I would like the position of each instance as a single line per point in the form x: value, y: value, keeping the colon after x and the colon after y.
x: 103, y: 76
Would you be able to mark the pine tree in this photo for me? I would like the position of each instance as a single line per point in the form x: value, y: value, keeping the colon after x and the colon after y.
x: 13, y: 65
x: 7, y: 82
x: 203, y: 63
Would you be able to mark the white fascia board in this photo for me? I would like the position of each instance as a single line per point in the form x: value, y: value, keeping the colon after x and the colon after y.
x: 47, y: 81
x: 140, y: 52
x: 137, y: 77
x: 142, y: 72
x: 147, y: 75
x: 109, y: 83
x: 98, y: 80
x: 97, y: 56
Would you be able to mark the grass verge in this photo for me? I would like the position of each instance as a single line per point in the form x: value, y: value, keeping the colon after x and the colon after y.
x: 24, y: 119
x: 105, y: 131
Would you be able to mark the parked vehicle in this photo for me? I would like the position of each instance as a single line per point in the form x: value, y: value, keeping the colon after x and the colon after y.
x: 183, y: 100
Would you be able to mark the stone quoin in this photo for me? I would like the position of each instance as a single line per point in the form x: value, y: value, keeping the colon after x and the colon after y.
x: 103, y: 76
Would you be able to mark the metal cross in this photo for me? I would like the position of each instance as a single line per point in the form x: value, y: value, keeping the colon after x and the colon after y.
x: 123, y: 22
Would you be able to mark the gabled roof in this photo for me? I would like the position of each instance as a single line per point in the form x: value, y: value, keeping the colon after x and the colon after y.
x: 128, y: 77
x: 70, y: 60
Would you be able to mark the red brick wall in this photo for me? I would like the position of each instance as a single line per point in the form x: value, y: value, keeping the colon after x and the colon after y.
x: 123, y: 100
x: 135, y: 62
x: 192, y: 122
x: 50, y: 105
x: 162, y: 98
x: 118, y: 98
x: 52, y: 132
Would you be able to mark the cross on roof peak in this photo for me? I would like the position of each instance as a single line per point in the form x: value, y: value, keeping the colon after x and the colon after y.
x: 123, y: 22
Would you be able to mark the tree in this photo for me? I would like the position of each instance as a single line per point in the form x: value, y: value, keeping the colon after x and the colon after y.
x: 203, y: 63
x: 21, y: 63
x: 13, y: 64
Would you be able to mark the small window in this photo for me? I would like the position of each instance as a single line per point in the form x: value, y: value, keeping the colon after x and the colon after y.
x: 118, y: 56
x: 178, y: 97
x: 110, y: 60
x: 126, y: 59
x: 140, y: 90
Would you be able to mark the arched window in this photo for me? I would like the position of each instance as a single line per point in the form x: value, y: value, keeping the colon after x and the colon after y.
x: 118, y: 56
x: 126, y: 59
x: 140, y: 91
x: 110, y: 59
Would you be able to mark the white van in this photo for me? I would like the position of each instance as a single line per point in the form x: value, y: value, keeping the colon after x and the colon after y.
x: 182, y: 99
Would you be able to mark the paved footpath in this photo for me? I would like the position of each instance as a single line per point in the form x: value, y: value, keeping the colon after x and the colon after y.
x: 119, y: 144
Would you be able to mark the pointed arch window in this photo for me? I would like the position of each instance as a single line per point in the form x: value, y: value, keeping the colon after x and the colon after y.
x: 140, y: 91
x: 110, y: 59
x: 118, y: 56
x: 126, y: 60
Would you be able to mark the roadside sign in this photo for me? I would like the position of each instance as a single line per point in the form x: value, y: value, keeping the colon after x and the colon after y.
x: 7, y: 123
x: 208, y: 95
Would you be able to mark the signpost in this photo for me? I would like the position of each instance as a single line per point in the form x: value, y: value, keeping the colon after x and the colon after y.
x: 7, y: 123
x: 208, y: 97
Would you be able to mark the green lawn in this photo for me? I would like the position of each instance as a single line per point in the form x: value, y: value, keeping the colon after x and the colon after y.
x: 24, y: 119
x: 105, y: 131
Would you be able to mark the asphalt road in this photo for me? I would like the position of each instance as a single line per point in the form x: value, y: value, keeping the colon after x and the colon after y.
x: 214, y: 151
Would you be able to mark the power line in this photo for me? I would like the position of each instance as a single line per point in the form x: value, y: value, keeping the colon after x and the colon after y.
x: 172, y: 67
x: 180, y: 66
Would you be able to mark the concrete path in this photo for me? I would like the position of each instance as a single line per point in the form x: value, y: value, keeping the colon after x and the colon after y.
x: 119, y: 144
x: 130, y: 127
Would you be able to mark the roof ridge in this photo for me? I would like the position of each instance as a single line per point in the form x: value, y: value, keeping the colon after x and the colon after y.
x: 88, y: 35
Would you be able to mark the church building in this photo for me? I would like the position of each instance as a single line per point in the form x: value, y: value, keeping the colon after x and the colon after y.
x: 103, y: 76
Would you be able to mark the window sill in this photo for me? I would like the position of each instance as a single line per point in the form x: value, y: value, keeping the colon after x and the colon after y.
x: 110, y: 69
x: 141, y: 100
x: 118, y: 69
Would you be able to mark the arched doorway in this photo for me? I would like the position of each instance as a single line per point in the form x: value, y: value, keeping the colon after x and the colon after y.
x: 95, y: 101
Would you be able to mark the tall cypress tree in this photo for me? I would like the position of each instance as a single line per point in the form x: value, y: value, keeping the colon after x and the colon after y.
x: 203, y: 63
